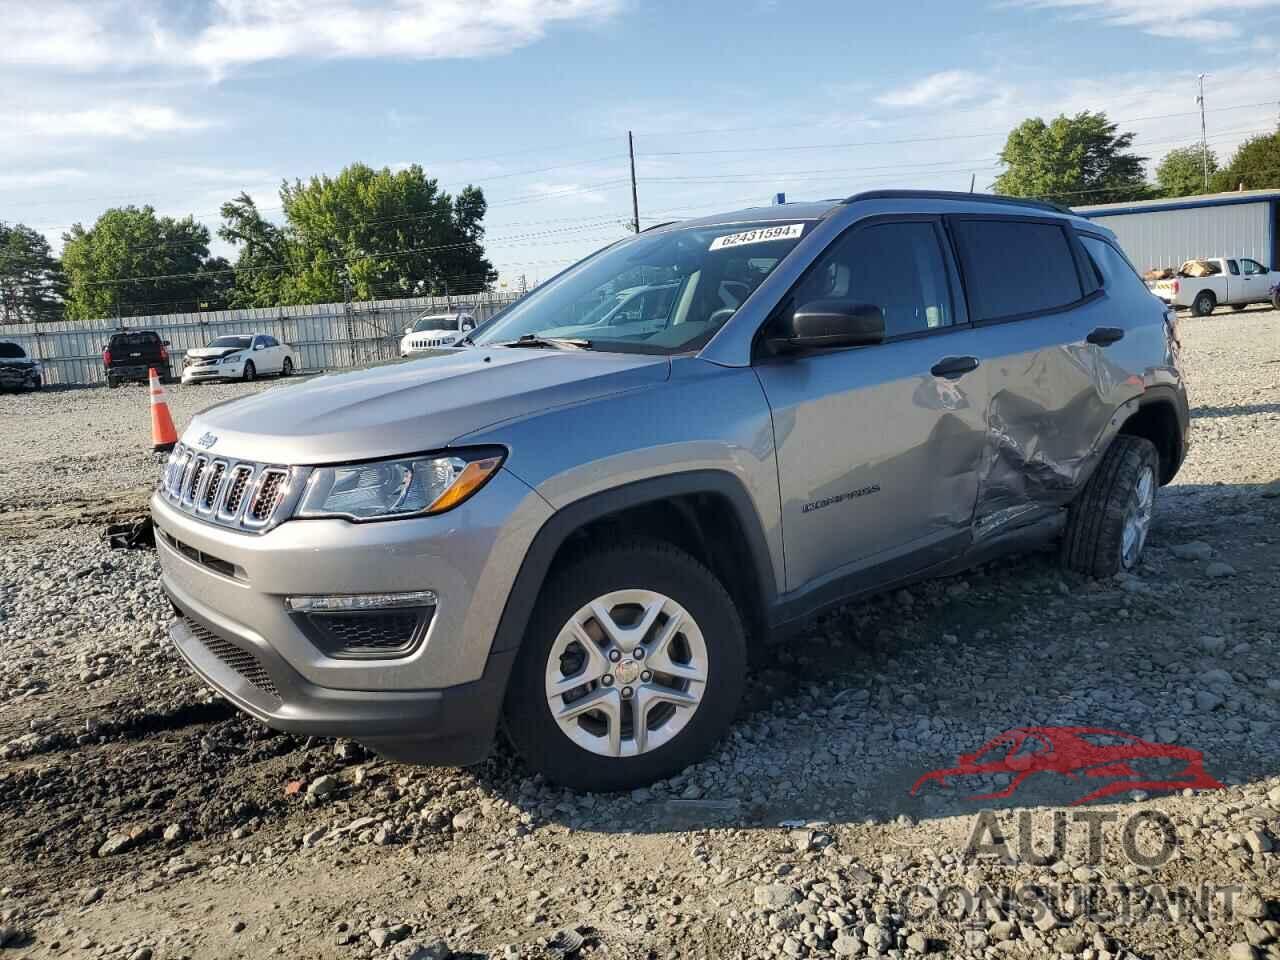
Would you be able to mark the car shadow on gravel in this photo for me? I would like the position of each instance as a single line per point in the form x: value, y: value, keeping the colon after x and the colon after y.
x: 841, y: 725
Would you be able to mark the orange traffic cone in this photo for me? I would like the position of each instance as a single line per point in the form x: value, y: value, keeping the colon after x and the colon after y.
x: 163, y: 436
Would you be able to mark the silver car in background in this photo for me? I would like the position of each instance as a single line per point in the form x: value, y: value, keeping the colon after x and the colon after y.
x: 581, y: 526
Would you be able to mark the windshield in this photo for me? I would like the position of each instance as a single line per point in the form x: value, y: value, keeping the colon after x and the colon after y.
x: 660, y: 293
x: 11, y: 351
x: 239, y: 343
x: 447, y: 322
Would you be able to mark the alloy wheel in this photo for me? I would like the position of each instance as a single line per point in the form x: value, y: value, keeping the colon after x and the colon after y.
x: 626, y: 673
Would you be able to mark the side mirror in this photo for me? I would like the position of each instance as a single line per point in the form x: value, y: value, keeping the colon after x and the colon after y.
x: 408, y: 329
x: 467, y: 327
x: 258, y: 346
x: 827, y: 324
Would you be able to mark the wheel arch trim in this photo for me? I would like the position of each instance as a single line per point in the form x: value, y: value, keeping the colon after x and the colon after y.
x: 552, y: 535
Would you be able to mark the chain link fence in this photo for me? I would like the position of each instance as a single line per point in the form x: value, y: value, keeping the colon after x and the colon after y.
x: 327, y: 336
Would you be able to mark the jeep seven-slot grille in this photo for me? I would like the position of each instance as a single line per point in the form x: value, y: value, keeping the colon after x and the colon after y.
x: 232, y: 493
x: 211, y: 490
x: 241, y: 661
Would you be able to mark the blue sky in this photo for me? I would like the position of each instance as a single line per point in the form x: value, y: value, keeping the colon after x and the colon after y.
x: 185, y: 104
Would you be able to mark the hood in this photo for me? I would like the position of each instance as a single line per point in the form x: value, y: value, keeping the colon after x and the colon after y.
x: 214, y: 351
x: 414, y: 406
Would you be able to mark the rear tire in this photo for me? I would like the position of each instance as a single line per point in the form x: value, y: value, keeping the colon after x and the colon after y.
x: 1275, y: 300
x: 1204, y: 303
x: 682, y: 718
x: 1107, y: 524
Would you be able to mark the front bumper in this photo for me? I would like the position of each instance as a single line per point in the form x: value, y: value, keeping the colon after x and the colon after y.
x: 213, y: 371
x: 454, y: 725
x: 438, y: 702
x: 17, y: 378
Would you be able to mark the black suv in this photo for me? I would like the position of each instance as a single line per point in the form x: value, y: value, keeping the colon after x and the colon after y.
x: 128, y: 356
x: 18, y: 372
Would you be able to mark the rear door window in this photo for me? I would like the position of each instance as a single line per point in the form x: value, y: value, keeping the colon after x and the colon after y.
x: 1016, y: 268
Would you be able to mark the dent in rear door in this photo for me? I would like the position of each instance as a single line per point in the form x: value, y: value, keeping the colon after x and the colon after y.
x: 1053, y: 394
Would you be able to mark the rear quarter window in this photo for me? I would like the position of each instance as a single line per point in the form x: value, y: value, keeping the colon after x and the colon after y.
x: 1116, y: 270
x: 1016, y: 267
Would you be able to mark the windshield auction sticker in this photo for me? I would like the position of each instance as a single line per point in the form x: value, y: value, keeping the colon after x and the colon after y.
x: 789, y: 231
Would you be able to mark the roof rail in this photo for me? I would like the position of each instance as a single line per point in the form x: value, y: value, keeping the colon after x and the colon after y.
x: 957, y: 195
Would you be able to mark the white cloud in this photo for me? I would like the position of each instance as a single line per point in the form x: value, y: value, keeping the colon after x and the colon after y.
x: 936, y: 90
x: 1199, y: 20
x: 221, y: 34
x: 127, y: 121
x: 40, y: 178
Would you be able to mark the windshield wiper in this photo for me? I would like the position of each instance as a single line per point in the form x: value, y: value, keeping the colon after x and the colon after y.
x: 556, y: 343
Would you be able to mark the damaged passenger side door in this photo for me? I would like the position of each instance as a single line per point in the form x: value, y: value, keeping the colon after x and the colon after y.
x: 1048, y: 340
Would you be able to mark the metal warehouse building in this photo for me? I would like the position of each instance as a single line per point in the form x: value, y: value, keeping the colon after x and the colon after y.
x: 1165, y: 233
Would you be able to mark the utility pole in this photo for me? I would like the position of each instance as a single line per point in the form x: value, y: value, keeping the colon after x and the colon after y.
x: 635, y: 200
x: 1204, y: 137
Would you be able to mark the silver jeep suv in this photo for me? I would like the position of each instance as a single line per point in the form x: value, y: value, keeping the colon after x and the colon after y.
x: 578, y: 524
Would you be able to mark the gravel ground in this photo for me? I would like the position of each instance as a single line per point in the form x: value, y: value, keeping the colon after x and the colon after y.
x: 144, y: 818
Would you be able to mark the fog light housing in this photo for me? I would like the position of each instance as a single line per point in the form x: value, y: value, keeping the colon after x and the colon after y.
x: 368, y: 626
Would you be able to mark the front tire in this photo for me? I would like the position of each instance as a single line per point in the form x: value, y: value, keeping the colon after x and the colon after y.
x: 1107, y: 524
x: 1204, y: 303
x: 250, y: 372
x: 632, y: 667
x: 286, y: 368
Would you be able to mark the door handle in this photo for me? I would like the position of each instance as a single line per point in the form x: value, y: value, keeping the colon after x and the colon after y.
x: 952, y: 367
x: 1105, y: 336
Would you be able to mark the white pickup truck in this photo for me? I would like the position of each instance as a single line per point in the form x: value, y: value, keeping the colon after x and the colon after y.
x: 1206, y: 283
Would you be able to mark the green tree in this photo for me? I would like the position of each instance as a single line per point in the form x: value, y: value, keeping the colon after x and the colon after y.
x: 1181, y: 172
x: 131, y: 263
x: 32, y: 284
x: 1071, y: 160
x: 262, y: 269
x: 1255, y: 165
x: 374, y: 234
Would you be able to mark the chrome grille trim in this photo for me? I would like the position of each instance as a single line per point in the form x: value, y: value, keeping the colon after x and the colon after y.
x: 212, y: 487
x: 239, y: 494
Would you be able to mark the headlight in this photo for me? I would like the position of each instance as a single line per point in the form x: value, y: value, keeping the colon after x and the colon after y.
x: 398, y: 488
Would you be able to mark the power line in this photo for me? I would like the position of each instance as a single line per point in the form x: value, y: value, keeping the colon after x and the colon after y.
x: 904, y: 140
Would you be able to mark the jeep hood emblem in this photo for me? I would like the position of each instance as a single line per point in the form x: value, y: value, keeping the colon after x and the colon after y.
x: 208, y: 440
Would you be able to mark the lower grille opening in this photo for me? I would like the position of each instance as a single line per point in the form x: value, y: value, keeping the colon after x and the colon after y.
x: 238, y: 659
x: 366, y: 634
x: 215, y: 564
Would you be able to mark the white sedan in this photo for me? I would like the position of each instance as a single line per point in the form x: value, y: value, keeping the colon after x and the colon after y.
x: 241, y: 356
